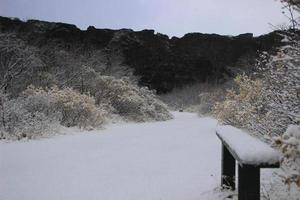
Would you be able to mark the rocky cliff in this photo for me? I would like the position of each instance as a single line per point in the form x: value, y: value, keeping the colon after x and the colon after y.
x: 160, y: 62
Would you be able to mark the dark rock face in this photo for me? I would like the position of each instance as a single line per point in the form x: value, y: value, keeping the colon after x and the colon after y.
x: 160, y: 62
x: 165, y: 63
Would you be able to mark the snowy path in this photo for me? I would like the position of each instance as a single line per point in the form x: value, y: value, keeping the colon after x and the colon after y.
x: 173, y: 160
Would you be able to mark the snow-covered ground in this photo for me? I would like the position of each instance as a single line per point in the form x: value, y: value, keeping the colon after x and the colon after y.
x: 173, y: 160
x: 177, y: 159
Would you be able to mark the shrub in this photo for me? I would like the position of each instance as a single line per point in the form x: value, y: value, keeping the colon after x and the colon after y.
x: 73, y: 108
x: 188, y: 98
x: 240, y: 106
x: 269, y: 101
x: 128, y: 100
x: 289, y: 144
x: 38, y: 112
x: 182, y: 98
x: 17, y: 122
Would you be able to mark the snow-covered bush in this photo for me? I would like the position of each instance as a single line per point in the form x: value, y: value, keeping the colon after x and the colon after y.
x: 72, y: 108
x: 289, y: 144
x: 128, y: 100
x: 38, y: 112
x: 199, y: 97
x: 184, y: 97
x: 240, y: 107
x: 267, y: 102
x: 209, y: 98
x: 17, y: 122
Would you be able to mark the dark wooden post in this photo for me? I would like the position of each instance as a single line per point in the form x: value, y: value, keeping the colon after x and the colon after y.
x: 228, y: 169
x: 248, y: 182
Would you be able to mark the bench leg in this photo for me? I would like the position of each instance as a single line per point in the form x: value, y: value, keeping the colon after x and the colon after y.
x: 228, y: 169
x: 248, y: 183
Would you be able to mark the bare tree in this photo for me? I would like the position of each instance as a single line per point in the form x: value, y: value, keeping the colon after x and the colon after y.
x: 294, y: 3
x: 16, y: 58
x: 290, y: 9
x: 3, y: 98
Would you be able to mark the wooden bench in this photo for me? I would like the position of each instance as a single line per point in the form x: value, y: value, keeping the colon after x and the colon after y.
x: 251, y: 155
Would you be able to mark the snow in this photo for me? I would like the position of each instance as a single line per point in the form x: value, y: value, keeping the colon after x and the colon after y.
x: 249, y: 149
x: 285, y: 39
x: 281, y: 58
x: 172, y: 160
x: 293, y: 131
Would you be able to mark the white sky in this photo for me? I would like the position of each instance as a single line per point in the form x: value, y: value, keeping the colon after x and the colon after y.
x: 172, y: 17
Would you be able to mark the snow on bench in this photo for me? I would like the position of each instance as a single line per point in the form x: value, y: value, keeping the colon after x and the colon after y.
x: 247, y: 149
x: 251, y: 155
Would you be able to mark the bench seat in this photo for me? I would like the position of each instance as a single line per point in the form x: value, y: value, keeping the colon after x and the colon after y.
x: 246, y: 149
x: 251, y: 154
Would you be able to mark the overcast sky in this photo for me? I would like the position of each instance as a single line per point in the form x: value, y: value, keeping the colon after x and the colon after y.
x: 172, y: 17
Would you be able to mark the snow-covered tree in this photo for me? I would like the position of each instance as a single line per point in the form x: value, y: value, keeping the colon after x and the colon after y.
x: 18, y: 62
